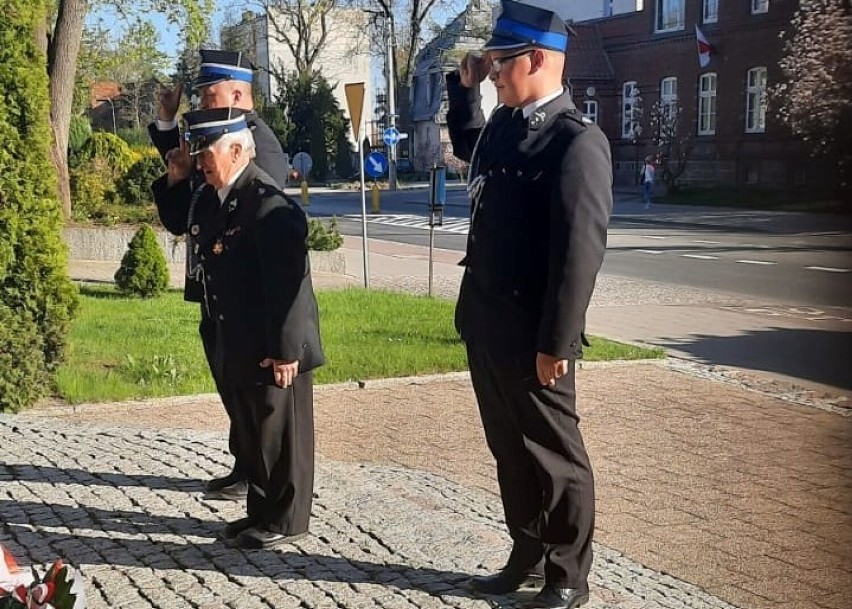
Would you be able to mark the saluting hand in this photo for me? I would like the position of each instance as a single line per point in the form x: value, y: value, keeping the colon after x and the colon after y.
x: 549, y: 368
x: 473, y: 70
x: 284, y: 372
x: 179, y: 163
x: 169, y: 102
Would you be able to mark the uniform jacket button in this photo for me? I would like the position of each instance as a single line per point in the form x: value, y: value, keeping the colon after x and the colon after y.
x: 221, y: 317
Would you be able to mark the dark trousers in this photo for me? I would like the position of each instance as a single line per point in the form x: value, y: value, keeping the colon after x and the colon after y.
x: 545, y: 478
x: 207, y: 330
x: 275, y: 432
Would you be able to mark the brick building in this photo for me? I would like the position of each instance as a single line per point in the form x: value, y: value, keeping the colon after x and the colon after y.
x: 621, y: 66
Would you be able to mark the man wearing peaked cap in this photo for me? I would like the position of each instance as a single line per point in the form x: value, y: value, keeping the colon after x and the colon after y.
x: 219, y: 66
x: 259, y: 319
x: 540, y: 183
x: 224, y: 81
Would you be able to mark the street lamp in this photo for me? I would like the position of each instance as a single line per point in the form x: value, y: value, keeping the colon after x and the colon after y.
x: 112, y: 106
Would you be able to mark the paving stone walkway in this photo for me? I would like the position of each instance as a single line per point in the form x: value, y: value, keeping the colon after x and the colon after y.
x: 126, y: 505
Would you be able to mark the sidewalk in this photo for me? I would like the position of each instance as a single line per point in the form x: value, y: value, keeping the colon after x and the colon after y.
x: 709, y: 494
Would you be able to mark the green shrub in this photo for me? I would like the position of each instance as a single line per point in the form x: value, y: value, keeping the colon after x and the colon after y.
x: 134, y: 188
x: 92, y: 187
x: 110, y: 148
x: 79, y: 133
x: 22, y: 371
x: 143, y: 271
x: 135, y: 138
x: 322, y: 237
x: 37, y: 300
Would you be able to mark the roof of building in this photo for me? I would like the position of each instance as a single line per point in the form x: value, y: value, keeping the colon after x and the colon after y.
x: 586, y: 57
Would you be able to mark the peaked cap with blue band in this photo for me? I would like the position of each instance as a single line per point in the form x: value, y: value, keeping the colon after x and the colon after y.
x: 218, y: 66
x: 204, y: 127
x: 520, y: 25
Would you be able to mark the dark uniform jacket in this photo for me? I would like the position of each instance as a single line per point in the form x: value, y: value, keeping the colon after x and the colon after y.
x: 258, y: 299
x: 540, y: 205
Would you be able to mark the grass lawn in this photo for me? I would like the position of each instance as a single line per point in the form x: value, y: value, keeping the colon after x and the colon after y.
x: 124, y: 348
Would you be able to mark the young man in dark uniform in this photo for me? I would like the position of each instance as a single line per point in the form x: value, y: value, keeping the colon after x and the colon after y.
x: 541, y: 196
x: 224, y: 81
x: 260, y: 324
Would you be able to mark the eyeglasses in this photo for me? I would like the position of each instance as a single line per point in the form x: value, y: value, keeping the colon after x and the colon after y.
x: 498, y: 62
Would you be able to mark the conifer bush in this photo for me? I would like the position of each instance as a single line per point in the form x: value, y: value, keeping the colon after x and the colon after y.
x: 323, y: 237
x: 143, y: 271
x: 37, y: 299
x: 134, y: 188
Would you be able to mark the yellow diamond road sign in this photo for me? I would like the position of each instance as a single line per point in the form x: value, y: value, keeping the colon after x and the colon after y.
x: 355, y: 101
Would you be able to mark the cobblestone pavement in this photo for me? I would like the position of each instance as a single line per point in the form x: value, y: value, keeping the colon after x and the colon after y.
x: 739, y: 493
x: 125, y: 505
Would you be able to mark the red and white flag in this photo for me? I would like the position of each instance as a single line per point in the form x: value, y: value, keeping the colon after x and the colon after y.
x: 704, y: 48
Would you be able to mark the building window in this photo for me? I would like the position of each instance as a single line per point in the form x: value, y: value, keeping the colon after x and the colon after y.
x: 631, y: 105
x: 707, y: 104
x: 756, y: 101
x: 590, y: 110
x: 711, y: 11
x: 759, y: 6
x: 668, y: 96
x: 669, y: 15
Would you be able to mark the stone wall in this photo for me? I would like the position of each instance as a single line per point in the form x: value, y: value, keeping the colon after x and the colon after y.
x: 109, y: 244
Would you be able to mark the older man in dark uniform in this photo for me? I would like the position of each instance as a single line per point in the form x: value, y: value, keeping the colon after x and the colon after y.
x: 260, y: 325
x: 224, y: 81
x: 540, y: 187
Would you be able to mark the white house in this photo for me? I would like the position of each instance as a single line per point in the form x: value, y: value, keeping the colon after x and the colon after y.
x: 344, y: 56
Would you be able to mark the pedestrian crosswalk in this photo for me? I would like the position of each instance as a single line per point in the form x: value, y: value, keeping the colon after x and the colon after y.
x: 450, y: 225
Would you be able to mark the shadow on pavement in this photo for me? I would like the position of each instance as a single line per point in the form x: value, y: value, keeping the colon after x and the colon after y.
x: 103, y: 539
x: 819, y: 356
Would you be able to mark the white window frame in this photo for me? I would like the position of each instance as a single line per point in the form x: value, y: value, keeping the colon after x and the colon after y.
x: 755, y: 119
x: 759, y: 6
x: 590, y: 110
x: 668, y: 95
x: 710, y: 12
x: 627, y: 108
x: 670, y: 15
x: 707, y: 91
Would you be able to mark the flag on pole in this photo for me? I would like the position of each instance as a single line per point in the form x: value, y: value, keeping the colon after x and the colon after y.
x: 704, y: 48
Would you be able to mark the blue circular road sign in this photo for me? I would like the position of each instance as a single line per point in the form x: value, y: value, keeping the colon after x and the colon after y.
x: 376, y: 165
x: 391, y: 136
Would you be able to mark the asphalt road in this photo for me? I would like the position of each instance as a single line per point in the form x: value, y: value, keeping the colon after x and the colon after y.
x: 791, y: 258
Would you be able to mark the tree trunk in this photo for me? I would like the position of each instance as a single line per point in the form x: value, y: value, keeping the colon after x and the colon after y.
x: 63, y: 49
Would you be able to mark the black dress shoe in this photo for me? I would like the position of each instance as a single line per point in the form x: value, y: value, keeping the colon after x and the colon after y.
x: 552, y: 597
x: 505, y: 581
x: 233, y: 492
x: 233, y: 529
x: 217, y: 484
x: 259, y: 538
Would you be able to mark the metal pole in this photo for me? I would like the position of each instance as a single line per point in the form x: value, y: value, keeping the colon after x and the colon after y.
x: 431, y: 248
x: 391, y: 109
x: 364, y: 215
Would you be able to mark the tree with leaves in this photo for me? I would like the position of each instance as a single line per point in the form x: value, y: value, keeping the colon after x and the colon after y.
x: 37, y: 299
x: 60, y: 37
x: 135, y: 61
x: 316, y: 123
x: 674, y: 143
x: 815, y: 96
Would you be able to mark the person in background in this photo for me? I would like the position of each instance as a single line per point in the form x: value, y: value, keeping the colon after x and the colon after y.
x: 259, y: 317
x: 648, y: 172
x: 541, y: 196
x: 224, y: 81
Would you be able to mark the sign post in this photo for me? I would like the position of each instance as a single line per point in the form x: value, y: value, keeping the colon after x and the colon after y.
x: 437, y: 200
x: 355, y: 100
